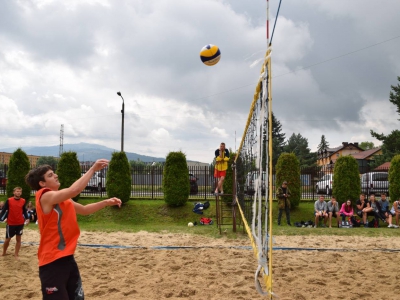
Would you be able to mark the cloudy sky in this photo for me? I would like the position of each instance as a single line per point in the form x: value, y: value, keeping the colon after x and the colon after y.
x: 63, y: 62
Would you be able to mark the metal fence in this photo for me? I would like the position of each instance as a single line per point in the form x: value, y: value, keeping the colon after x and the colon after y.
x: 147, y: 182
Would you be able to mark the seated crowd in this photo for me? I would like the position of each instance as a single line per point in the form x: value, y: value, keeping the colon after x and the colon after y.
x: 379, y: 210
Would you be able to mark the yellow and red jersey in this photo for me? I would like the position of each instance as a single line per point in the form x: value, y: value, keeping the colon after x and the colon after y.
x: 221, y: 163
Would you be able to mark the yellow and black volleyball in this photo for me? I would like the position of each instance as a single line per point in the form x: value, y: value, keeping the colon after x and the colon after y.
x: 210, y: 55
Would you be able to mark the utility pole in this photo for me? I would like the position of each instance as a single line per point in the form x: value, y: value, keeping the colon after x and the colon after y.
x: 122, y: 126
x: 61, y: 149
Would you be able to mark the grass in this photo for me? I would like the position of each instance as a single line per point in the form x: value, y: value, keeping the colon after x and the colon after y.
x: 155, y: 216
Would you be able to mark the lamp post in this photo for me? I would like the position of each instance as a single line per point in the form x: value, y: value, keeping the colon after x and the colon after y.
x: 122, y: 126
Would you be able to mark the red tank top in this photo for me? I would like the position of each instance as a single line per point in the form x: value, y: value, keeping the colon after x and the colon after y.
x: 59, y: 230
x: 15, y: 211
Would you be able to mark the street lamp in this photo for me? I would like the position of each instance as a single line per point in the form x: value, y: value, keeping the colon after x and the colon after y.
x: 122, y: 126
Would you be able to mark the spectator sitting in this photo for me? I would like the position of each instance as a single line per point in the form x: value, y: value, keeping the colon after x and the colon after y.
x: 385, y: 211
x: 396, y: 211
x: 346, y: 210
x: 31, y: 212
x: 364, y: 209
x: 320, y: 209
x: 333, y: 211
x: 376, y: 209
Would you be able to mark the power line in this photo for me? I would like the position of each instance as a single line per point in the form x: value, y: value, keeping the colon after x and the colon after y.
x: 304, y: 68
x: 337, y: 57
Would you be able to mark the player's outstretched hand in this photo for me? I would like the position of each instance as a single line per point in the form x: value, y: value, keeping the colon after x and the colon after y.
x: 113, y: 201
x: 100, y: 164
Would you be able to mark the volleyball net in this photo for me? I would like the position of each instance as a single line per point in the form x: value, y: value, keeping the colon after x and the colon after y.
x: 253, y: 173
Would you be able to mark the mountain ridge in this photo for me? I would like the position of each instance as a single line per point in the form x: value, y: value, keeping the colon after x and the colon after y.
x: 84, y: 151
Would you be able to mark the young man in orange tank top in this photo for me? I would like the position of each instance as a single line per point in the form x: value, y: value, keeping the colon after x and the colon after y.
x: 59, y: 230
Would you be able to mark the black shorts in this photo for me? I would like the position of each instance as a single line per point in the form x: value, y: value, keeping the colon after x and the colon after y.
x: 383, y: 216
x: 12, y: 230
x: 61, y: 280
x: 334, y: 214
x: 360, y: 213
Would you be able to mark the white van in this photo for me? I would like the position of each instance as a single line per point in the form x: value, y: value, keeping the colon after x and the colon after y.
x: 324, y: 185
x: 97, y: 182
x: 375, y: 183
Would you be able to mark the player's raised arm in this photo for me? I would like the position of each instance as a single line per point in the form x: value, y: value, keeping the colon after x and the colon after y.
x: 93, y: 207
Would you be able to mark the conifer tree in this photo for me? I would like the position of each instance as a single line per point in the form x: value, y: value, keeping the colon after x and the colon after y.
x: 19, y: 166
x: 391, y: 142
x: 288, y: 169
x: 298, y: 145
x: 323, y: 144
x: 394, y: 178
x: 176, y: 186
x: 346, y: 179
x: 119, y: 178
x: 68, y: 170
x: 278, y: 140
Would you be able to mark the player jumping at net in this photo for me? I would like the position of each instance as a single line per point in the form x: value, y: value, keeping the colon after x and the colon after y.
x: 221, y: 165
x: 59, y: 230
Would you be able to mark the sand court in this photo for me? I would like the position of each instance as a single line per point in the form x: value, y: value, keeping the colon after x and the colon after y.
x: 145, y: 268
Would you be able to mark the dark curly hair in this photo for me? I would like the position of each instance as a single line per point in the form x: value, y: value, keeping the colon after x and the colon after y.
x: 36, y: 175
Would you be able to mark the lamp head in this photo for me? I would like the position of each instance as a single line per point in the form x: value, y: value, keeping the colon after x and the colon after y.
x: 119, y: 94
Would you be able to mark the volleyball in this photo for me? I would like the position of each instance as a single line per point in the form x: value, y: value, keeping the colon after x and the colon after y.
x: 190, y: 224
x: 210, y: 55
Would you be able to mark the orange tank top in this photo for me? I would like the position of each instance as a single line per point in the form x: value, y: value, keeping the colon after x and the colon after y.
x: 59, y: 230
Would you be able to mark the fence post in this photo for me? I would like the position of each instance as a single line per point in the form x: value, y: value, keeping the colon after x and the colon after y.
x: 205, y: 182
x: 152, y: 182
x: 234, y: 196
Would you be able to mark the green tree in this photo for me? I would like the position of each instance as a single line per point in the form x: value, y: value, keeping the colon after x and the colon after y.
x: 18, y: 167
x: 278, y: 140
x: 119, y: 179
x: 391, y: 142
x: 394, y: 95
x: 366, y: 145
x: 138, y: 166
x: 176, y: 185
x: 68, y: 170
x: 394, y: 178
x: 48, y: 160
x: 288, y: 168
x: 298, y: 145
x: 346, y: 179
x: 323, y: 144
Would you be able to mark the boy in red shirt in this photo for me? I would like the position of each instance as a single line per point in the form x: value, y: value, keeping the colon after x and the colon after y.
x: 15, y: 212
x: 59, y: 230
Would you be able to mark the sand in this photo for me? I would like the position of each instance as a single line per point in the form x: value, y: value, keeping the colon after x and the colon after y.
x: 221, y: 268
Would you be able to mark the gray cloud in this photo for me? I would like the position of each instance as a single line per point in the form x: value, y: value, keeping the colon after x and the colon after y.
x: 63, y: 62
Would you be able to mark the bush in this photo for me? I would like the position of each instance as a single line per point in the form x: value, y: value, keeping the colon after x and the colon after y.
x: 176, y: 184
x: 18, y: 167
x: 119, y: 180
x: 68, y: 170
x: 346, y: 179
x: 288, y: 168
x: 394, y: 178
